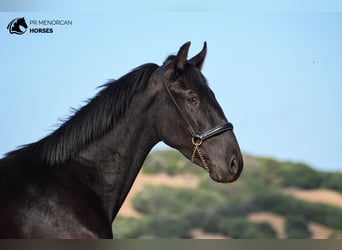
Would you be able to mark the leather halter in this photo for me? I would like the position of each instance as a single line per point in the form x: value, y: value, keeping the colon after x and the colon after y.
x: 197, y: 139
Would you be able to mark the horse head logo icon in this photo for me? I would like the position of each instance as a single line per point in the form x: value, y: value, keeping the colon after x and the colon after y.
x: 17, y: 26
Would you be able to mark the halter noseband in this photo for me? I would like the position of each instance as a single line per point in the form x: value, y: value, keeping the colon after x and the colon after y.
x: 197, y: 139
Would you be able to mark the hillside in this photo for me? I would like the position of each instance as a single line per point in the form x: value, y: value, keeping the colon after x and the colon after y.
x: 172, y: 198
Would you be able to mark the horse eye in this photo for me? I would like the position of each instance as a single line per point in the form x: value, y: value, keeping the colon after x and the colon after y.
x: 191, y: 99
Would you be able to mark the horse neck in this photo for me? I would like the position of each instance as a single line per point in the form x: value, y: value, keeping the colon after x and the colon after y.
x: 115, y: 160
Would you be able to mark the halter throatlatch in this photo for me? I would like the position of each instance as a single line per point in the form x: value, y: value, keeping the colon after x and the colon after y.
x: 197, y: 139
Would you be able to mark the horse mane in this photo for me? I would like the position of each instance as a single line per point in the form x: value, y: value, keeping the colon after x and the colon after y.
x: 92, y: 121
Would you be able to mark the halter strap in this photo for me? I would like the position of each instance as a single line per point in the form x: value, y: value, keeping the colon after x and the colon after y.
x: 215, y: 131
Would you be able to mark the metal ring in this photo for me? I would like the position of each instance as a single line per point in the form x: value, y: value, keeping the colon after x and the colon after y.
x: 196, y: 143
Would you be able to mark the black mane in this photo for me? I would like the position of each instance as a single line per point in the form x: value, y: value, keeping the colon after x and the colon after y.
x: 92, y: 121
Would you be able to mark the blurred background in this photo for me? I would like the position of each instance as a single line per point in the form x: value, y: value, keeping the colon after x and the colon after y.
x: 275, y: 69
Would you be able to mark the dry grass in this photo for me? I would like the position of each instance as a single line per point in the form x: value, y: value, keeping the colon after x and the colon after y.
x: 199, y: 234
x: 323, y: 196
x: 319, y: 231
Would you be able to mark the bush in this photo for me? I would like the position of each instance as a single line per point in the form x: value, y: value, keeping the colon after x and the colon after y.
x: 297, y: 227
x: 128, y: 228
x: 162, y: 200
x: 302, y: 176
x: 168, y: 227
x: 288, y: 174
x: 333, y: 181
x: 239, y: 228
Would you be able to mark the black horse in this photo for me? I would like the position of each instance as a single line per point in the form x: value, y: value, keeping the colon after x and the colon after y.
x: 72, y: 183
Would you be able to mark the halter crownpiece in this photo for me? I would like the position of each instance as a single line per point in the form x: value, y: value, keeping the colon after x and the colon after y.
x: 197, y: 139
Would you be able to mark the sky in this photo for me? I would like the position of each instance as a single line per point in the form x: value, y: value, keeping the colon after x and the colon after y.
x: 275, y: 66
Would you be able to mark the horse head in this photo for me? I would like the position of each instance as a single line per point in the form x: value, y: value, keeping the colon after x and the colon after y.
x: 192, y: 121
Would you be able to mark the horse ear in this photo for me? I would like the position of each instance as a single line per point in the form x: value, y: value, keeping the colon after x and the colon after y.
x: 181, y: 57
x: 198, y: 59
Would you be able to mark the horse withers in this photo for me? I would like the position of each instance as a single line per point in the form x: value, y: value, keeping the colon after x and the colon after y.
x: 72, y: 183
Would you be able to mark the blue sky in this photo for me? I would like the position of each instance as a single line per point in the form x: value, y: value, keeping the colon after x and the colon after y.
x: 276, y: 69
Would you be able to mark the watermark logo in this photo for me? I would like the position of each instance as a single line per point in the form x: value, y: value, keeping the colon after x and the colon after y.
x: 17, y: 26
x: 36, y: 26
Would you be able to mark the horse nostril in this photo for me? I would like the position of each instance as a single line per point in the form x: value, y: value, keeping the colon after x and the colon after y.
x: 233, y: 166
